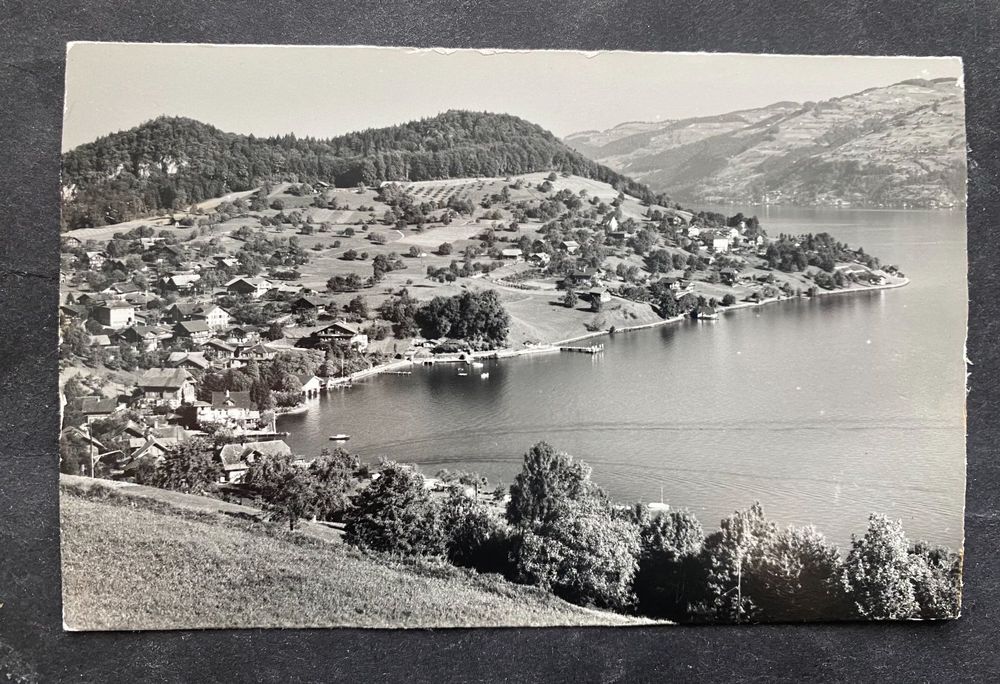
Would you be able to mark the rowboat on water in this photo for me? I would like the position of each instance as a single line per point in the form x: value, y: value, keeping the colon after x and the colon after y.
x: 340, y: 437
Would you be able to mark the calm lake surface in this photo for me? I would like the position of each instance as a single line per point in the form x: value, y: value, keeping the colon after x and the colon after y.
x: 823, y: 410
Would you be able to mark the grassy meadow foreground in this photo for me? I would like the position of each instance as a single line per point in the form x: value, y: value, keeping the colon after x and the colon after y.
x: 164, y: 567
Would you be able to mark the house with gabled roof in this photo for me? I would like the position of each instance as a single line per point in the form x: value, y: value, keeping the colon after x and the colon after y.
x: 196, y: 331
x: 257, y: 352
x: 310, y: 303
x: 181, y: 282
x: 342, y: 331
x: 220, y: 350
x: 214, y: 315
x: 166, y: 387
x: 146, y: 337
x: 255, y: 287
x: 234, y: 410
x: 311, y: 385
x: 95, y: 408
x: 193, y: 361
x: 236, y: 459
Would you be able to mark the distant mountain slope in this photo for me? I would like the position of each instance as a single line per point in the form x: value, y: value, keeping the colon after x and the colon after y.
x: 172, y: 162
x: 903, y: 144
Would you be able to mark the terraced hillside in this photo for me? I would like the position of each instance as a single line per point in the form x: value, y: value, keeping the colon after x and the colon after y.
x: 901, y: 145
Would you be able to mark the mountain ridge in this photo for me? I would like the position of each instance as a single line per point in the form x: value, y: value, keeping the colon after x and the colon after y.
x: 896, y: 145
x: 172, y: 162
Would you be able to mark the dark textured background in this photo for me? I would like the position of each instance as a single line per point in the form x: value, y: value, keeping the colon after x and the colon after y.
x: 32, y: 644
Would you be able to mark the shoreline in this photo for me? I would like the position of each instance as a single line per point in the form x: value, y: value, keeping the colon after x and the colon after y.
x: 554, y: 346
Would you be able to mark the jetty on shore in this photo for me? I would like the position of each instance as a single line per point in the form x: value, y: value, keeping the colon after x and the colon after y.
x: 592, y: 349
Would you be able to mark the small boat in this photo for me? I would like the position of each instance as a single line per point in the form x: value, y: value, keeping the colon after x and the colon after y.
x: 462, y: 371
x: 339, y: 437
x: 484, y: 375
x: 478, y: 364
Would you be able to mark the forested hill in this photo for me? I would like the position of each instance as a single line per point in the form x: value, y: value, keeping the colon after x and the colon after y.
x: 171, y: 162
x: 898, y: 145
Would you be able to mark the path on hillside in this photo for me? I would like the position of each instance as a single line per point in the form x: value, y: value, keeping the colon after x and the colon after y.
x: 327, y: 532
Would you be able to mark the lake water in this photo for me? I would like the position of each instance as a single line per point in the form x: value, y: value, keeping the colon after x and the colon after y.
x: 824, y: 410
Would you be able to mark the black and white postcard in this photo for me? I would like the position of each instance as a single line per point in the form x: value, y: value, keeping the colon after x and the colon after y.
x: 395, y: 337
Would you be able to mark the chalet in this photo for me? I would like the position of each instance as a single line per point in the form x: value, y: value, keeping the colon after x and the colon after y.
x: 90, y: 298
x: 213, y: 315
x: 95, y: 260
x: 673, y: 283
x: 95, y: 408
x: 511, y: 254
x: 146, y: 337
x: 241, y: 336
x: 71, y: 242
x: 181, y: 282
x: 693, y: 231
x: 77, y: 311
x: 234, y: 410
x: 119, y: 291
x: 115, y: 315
x: 132, y: 434
x: 170, y: 253
x: 341, y: 331
x: 619, y: 235
x: 194, y: 361
x: 258, y: 352
x: 220, y: 350
x: 166, y: 387
x: 196, y: 331
x: 729, y: 276
x: 570, y: 246
x: 237, y: 458
x: 540, y: 259
x: 598, y: 294
x: 145, y: 456
x: 581, y: 277
x: 309, y: 303
x: 288, y: 288
x: 223, y: 261
x: 611, y: 224
x: 138, y: 299
x: 255, y: 287
x: 311, y: 385
x: 82, y: 437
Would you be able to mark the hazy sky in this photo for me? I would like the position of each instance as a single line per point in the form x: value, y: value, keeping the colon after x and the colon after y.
x: 322, y: 91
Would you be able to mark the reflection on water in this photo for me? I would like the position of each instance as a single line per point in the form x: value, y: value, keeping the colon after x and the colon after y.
x: 823, y: 410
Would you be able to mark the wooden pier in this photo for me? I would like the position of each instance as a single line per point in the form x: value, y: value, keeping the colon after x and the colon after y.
x: 592, y: 349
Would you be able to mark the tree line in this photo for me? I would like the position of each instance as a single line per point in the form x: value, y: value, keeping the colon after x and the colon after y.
x: 172, y: 162
x: 556, y: 529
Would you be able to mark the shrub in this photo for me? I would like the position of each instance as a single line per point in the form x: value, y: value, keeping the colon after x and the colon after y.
x: 669, y: 578
x: 475, y: 536
x: 395, y: 514
x: 582, y: 554
x: 189, y: 467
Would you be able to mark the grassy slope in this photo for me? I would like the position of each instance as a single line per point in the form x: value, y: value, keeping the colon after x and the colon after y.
x: 128, y: 567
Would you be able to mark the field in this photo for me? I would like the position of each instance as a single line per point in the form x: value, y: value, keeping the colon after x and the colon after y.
x: 131, y: 566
